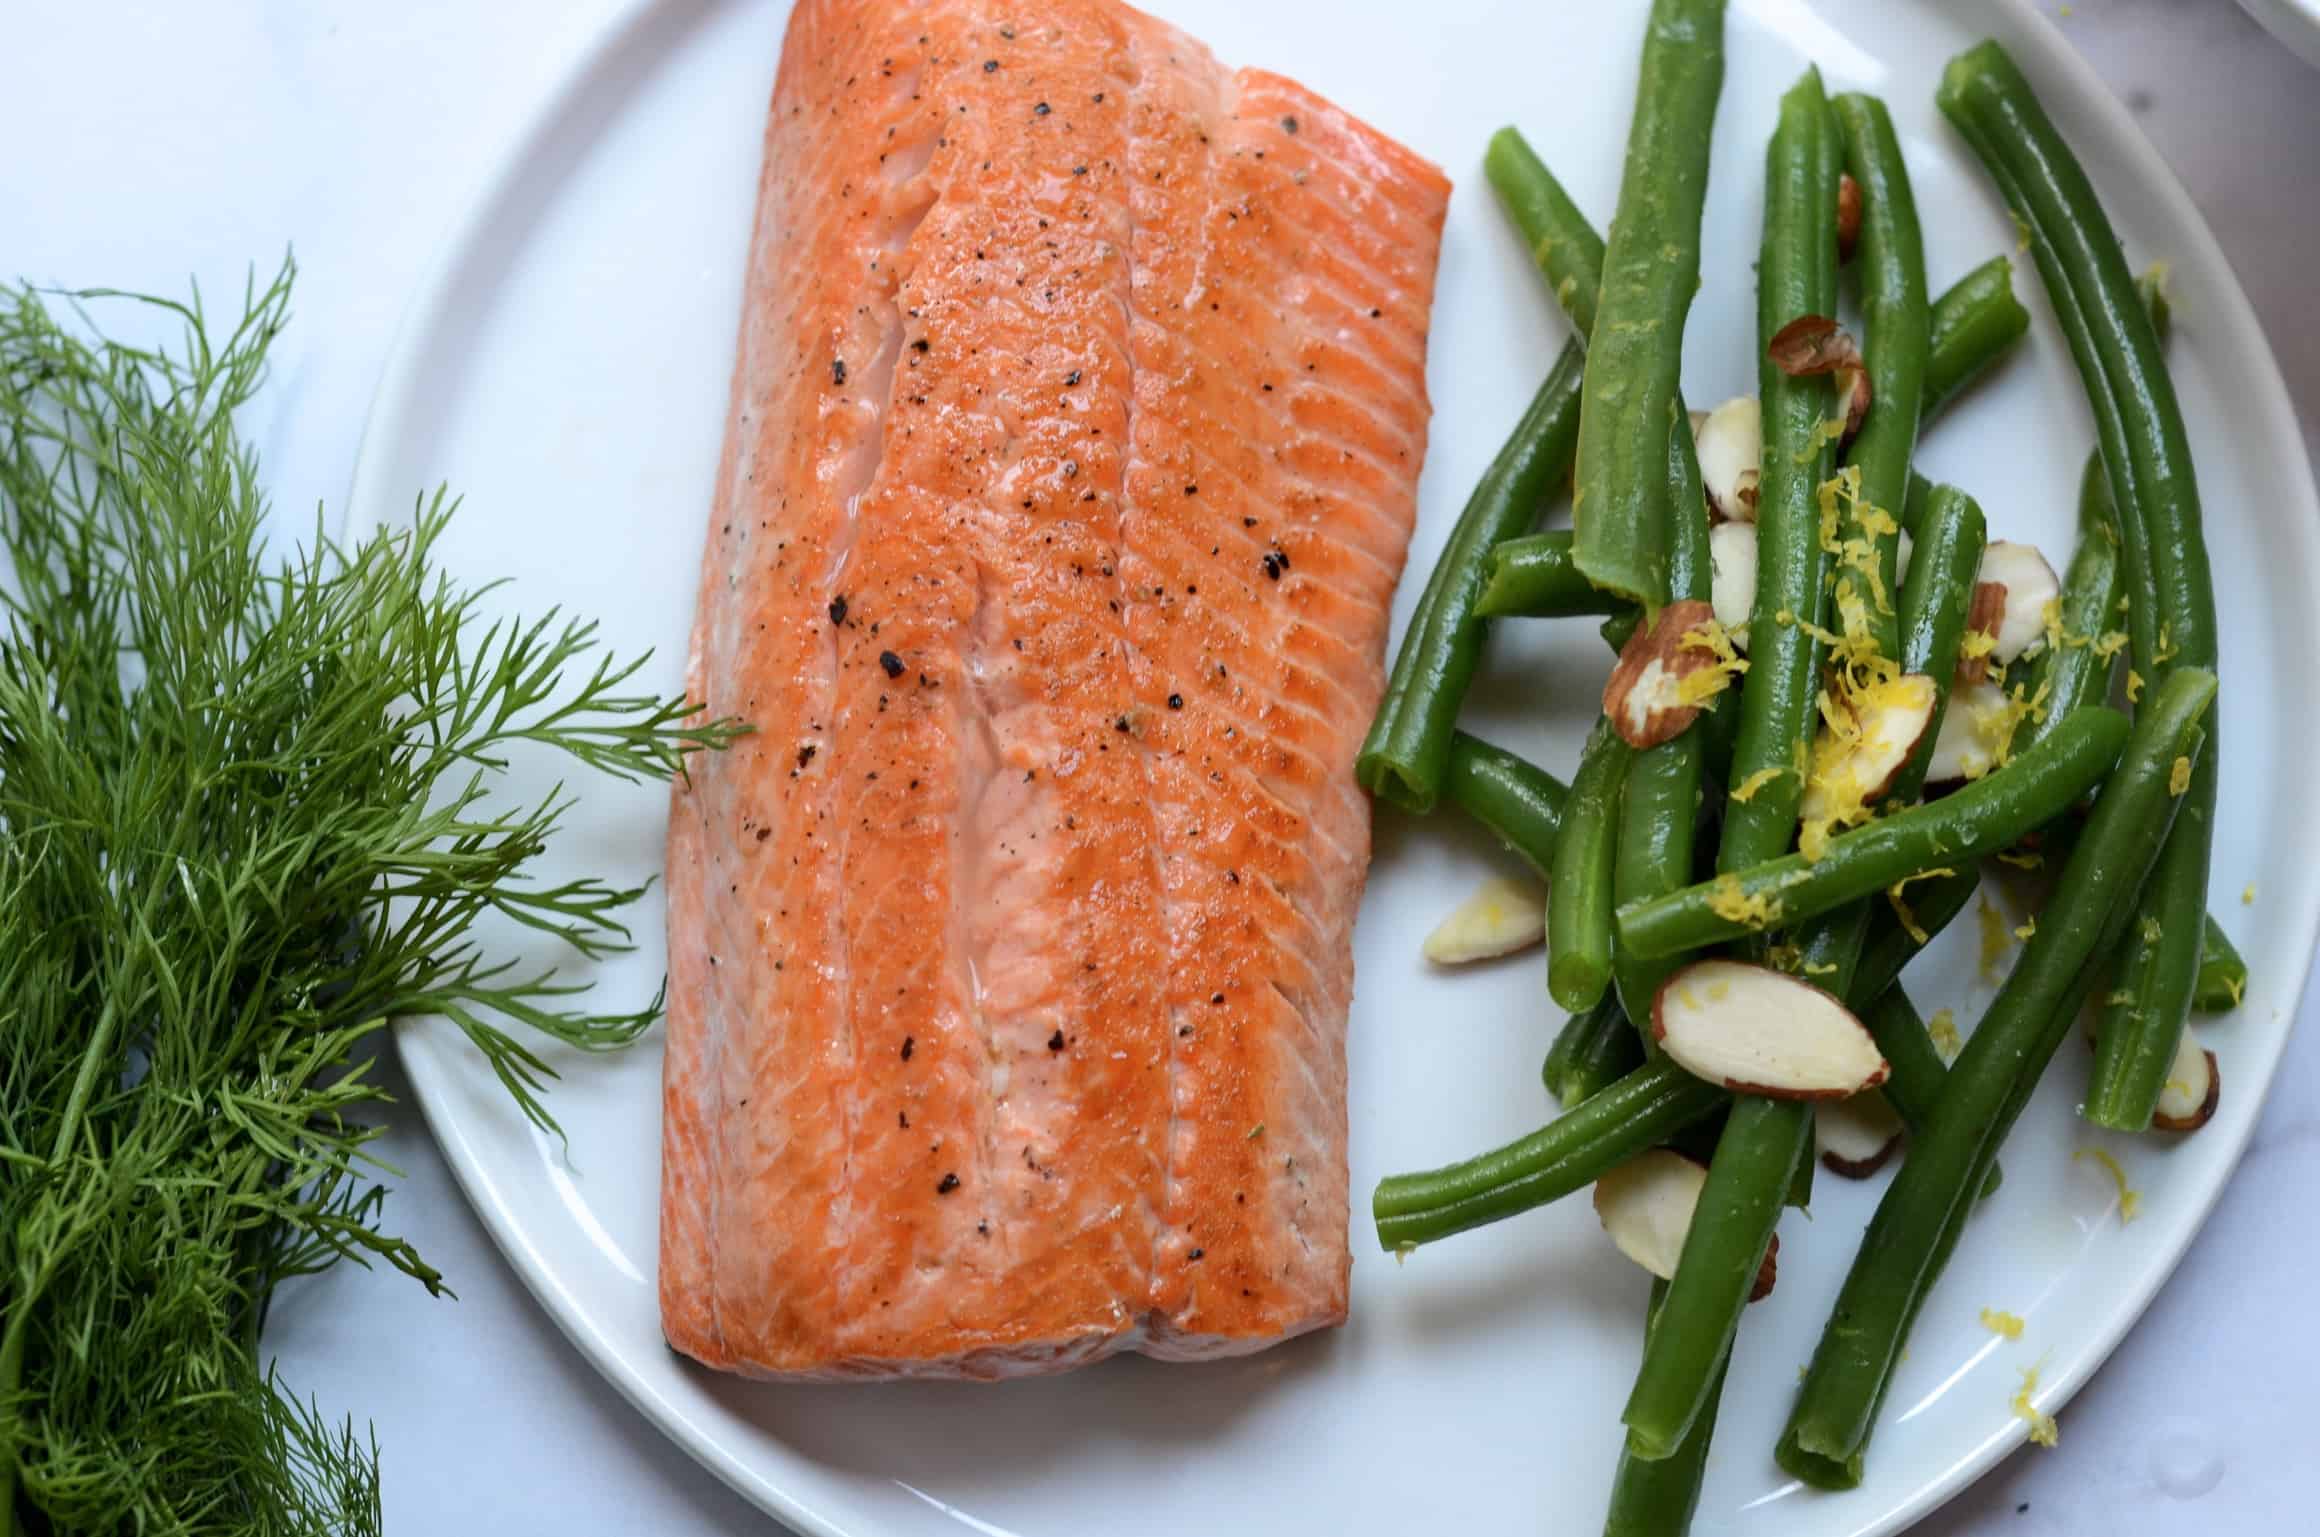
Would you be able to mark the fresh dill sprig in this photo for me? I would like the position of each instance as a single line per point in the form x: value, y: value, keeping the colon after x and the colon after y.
x: 248, y: 814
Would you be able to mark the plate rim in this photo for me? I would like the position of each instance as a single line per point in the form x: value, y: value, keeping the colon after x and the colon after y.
x: 592, y: 46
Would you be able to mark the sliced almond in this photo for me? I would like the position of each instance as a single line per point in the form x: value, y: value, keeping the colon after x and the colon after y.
x: 2194, y: 1084
x: 1984, y: 613
x: 1730, y: 440
x: 1848, y: 215
x: 1502, y: 916
x: 1816, y: 344
x: 1850, y: 774
x: 1855, y: 1136
x: 2030, y: 585
x: 1732, y: 580
x: 1646, y: 1206
x: 1903, y: 549
x: 1645, y: 696
x: 1974, y: 729
x: 1767, y: 1271
x: 1759, y: 1031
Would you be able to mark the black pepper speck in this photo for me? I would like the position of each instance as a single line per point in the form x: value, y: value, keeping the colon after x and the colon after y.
x: 1040, y: 111
x: 805, y: 755
x: 947, y: 1184
x: 1175, y: 701
x: 909, y: 1045
x: 990, y: 66
x: 892, y: 664
x: 1055, y: 1041
x: 837, y: 370
x: 838, y: 609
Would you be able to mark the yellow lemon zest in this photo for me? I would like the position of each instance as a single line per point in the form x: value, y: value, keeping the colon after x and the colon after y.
x: 2027, y: 929
x: 1998, y: 1321
x: 1728, y: 902
x: 2130, y: 1199
x: 2247, y: 898
x: 2043, y: 1430
x: 2179, y: 776
x: 2021, y: 859
x: 2134, y: 685
x: 1748, y: 787
x: 1943, y: 1028
x: 1996, y: 939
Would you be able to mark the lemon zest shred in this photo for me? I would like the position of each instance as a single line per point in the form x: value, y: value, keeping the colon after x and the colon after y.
x: 1943, y: 1028
x: 1999, y: 1321
x: 2028, y: 928
x: 1996, y: 939
x: 2130, y: 1199
x: 2166, y: 650
x: 1825, y: 968
x: 2043, y: 1431
x: 2109, y: 644
x: 2247, y: 898
x: 2021, y: 859
x: 2237, y: 987
x: 2179, y: 776
x: 2134, y: 685
x: 1728, y: 902
x: 1748, y: 787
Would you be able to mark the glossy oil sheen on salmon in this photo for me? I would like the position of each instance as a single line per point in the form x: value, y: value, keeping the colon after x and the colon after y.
x: 1074, y: 441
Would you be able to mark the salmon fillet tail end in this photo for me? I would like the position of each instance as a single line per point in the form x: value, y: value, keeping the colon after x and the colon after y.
x: 1072, y: 458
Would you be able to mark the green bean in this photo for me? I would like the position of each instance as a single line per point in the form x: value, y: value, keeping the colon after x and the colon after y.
x: 1656, y: 1498
x: 1561, y: 241
x: 1975, y: 323
x: 1935, y: 602
x: 2074, y: 670
x: 1593, y: 1051
x: 1725, y: 1244
x: 2223, y: 975
x: 1651, y: 266
x: 1796, y: 275
x: 1533, y: 578
x: 2147, y: 457
x: 1579, y: 890
x: 1641, y: 1110
x: 1896, y: 337
x: 1407, y: 750
x: 1916, y: 1074
x: 1979, y: 819
x: 1918, y: 1221
x: 1519, y: 801
x: 1763, y: 1141
x: 1660, y: 811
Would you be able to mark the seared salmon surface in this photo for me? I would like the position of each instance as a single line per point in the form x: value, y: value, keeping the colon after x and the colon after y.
x: 1072, y: 456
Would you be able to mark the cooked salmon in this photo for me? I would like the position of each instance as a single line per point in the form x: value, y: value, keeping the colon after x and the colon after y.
x: 1072, y: 457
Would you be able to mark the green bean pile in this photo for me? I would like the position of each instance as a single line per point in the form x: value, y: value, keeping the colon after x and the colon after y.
x: 1687, y: 829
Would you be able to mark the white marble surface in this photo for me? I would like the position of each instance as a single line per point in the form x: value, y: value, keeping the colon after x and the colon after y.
x: 150, y: 144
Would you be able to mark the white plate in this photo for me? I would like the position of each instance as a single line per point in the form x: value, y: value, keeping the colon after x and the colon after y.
x: 2294, y: 22
x: 566, y: 368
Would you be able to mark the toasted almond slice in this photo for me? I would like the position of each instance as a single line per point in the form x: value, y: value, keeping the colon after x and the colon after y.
x: 1502, y: 916
x: 2030, y: 584
x: 1732, y: 584
x: 1853, y: 390
x: 1848, y: 215
x: 1815, y: 344
x: 1848, y: 777
x: 1984, y: 613
x: 2194, y: 1084
x: 1645, y: 695
x: 1758, y: 1031
x: 1856, y: 1135
x: 1731, y: 446
x: 1767, y: 1271
x: 1966, y: 747
x: 1646, y: 1206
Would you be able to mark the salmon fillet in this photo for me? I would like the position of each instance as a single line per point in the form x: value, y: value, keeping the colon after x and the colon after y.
x: 1072, y: 457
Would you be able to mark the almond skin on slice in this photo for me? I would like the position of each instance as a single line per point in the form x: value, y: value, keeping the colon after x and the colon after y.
x: 1767, y: 1271
x: 1759, y: 1031
x: 1848, y: 215
x: 1983, y: 615
x: 1856, y: 1136
x: 1732, y: 578
x: 1646, y: 1206
x: 1644, y: 696
x: 2194, y: 1085
x: 1502, y: 916
x: 1816, y: 344
x: 1730, y: 441
x: 2030, y: 585
x: 1893, y: 718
